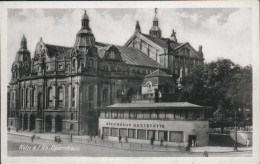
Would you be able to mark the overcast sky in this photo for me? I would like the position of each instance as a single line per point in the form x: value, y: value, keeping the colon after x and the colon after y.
x: 222, y: 32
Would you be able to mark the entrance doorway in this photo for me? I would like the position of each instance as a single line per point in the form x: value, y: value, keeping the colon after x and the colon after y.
x: 192, y: 140
x: 163, y: 135
x: 20, y: 121
x: 32, y: 122
x: 39, y: 104
x: 58, y: 123
x: 25, y: 122
x: 48, y: 123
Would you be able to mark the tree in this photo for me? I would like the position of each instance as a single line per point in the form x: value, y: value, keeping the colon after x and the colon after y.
x: 218, y: 84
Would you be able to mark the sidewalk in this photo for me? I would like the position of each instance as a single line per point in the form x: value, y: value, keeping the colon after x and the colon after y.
x: 129, y: 146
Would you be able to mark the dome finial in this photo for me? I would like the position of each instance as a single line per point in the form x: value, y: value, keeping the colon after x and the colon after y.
x: 137, y: 27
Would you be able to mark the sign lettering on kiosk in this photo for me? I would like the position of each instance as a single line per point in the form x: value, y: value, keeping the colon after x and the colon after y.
x: 136, y: 125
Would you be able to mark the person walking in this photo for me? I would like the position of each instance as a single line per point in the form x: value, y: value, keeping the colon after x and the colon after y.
x: 32, y: 138
x: 247, y: 142
x: 119, y: 138
x: 126, y: 139
x: 205, y: 154
x: 161, y: 142
x: 70, y: 137
x: 102, y: 137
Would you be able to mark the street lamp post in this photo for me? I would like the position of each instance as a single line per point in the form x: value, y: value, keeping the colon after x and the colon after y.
x: 235, y: 145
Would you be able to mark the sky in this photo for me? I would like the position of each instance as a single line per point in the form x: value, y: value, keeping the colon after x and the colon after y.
x: 223, y: 32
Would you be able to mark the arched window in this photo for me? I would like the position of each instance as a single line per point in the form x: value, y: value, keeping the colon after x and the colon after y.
x: 33, y: 94
x: 27, y: 97
x: 91, y: 93
x: 105, y: 95
x: 50, y: 96
x: 74, y: 63
x: 61, y: 96
x: 71, y: 126
x: 73, y: 97
x: 22, y: 100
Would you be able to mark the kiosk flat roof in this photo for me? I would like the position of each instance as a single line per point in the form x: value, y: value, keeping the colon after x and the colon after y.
x: 152, y: 105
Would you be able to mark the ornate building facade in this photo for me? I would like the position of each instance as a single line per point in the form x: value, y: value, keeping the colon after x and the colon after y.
x: 59, y: 89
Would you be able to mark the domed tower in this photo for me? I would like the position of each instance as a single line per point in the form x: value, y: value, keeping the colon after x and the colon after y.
x: 155, y: 31
x: 21, y: 64
x: 85, y: 37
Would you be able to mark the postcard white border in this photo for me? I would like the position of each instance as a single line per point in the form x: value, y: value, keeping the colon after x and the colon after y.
x: 254, y: 5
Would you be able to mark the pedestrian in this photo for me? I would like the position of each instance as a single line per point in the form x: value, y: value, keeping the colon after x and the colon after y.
x: 152, y: 139
x: 235, y: 147
x: 187, y: 148
x: 59, y: 140
x: 197, y: 142
x: 205, y: 154
x: 32, y: 138
x: 126, y: 140
x: 8, y: 129
x: 102, y: 136
x: 161, y: 142
x: 119, y: 138
x: 70, y: 137
x: 247, y: 142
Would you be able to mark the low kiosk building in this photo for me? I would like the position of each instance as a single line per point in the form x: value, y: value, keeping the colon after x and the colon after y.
x: 175, y: 122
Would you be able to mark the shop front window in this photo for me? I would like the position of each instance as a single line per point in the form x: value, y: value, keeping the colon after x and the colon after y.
x: 114, y: 132
x: 131, y: 133
x: 141, y: 134
x: 123, y: 132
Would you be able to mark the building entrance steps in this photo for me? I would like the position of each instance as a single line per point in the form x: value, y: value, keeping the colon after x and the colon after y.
x: 130, y: 145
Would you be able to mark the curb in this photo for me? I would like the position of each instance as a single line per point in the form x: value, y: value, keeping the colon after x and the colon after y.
x: 136, y: 149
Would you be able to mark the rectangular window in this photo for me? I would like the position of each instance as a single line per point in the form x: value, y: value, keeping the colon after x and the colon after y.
x: 169, y: 115
x: 161, y: 115
x: 126, y: 114
x: 176, y: 136
x: 147, y: 115
x: 123, y: 132
x: 114, y: 114
x: 141, y: 134
x: 106, y: 131
x: 114, y: 132
x: 154, y: 115
x: 151, y: 133
x: 131, y: 133
x: 140, y: 114
x: 60, y: 66
x: 132, y: 114
x: 121, y: 114
x: 163, y: 135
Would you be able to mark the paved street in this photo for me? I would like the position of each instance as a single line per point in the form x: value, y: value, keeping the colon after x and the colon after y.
x: 22, y: 146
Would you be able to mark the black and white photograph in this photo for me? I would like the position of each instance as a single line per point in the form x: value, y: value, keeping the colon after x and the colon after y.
x: 130, y: 80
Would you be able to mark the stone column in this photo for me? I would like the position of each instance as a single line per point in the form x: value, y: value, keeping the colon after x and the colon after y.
x: 95, y: 95
x: 53, y: 125
x: 69, y: 96
x: 168, y: 136
x: 22, y: 125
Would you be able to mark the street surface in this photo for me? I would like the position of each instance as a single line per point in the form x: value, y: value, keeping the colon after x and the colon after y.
x: 22, y: 146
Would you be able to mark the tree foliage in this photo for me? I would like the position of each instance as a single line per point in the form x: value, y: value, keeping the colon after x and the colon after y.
x: 223, y: 85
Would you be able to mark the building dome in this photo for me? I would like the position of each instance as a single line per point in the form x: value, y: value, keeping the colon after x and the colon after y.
x: 85, y: 37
